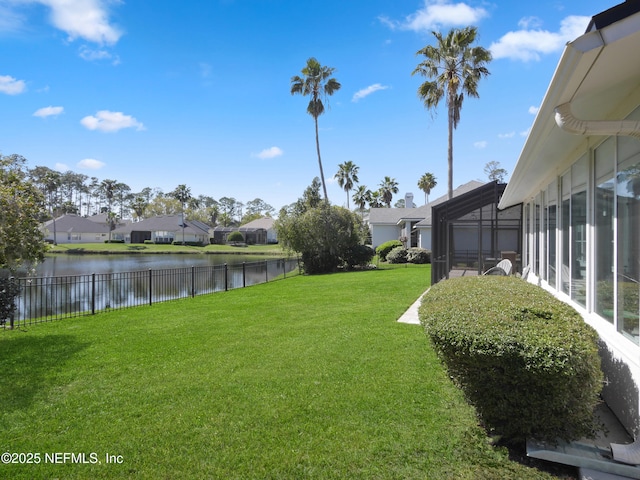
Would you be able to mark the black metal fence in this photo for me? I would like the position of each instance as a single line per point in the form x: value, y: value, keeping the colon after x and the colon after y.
x: 44, y: 299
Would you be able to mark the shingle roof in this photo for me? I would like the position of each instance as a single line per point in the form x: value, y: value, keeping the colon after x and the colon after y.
x: 264, y: 222
x: 168, y: 223
x: 393, y: 216
x: 76, y: 224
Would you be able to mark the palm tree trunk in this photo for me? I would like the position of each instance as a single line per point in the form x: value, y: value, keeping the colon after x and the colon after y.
x: 324, y: 186
x: 450, y: 153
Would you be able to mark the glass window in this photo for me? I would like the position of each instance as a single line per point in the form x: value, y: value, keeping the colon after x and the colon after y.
x: 551, y: 219
x: 603, y: 221
x: 537, y: 236
x: 565, y: 272
x: 628, y: 209
x: 579, y: 173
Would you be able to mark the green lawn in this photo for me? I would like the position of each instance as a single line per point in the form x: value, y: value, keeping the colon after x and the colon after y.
x: 81, y: 248
x: 309, y: 377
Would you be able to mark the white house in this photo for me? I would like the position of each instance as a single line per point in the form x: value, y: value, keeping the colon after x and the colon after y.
x: 164, y: 229
x: 410, y: 225
x: 578, y: 178
x: 74, y: 229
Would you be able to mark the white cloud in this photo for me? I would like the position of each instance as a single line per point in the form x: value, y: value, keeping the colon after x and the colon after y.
x: 87, y: 19
x: 481, y: 144
x: 91, y: 54
x: 438, y: 13
x: 11, y: 86
x: 272, y: 152
x: 529, y: 44
x: 107, y: 121
x: 48, y: 112
x: 61, y: 167
x: 507, y: 135
x: 533, y: 110
x: 90, y: 164
x: 368, y: 91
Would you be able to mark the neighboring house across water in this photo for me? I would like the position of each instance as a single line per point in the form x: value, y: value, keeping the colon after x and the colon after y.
x: 257, y: 232
x: 412, y: 226
x: 163, y: 229
x: 578, y: 178
x: 74, y: 229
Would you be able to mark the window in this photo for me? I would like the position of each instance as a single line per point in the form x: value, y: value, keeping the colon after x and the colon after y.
x: 604, y: 235
x: 551, y: 222
x: 628, y: 240
x: 565, y: 271
x: 579, y: 174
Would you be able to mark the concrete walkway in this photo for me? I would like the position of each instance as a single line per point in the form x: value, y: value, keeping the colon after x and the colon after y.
x: 411, y: 315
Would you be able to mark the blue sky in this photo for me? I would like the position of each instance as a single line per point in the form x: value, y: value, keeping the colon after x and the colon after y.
x: 157, y: 93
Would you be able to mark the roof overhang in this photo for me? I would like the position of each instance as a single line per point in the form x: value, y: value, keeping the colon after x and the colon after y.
x: 599, y: 77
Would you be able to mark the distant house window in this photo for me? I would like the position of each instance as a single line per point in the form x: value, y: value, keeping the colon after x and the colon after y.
x: 74, y: 237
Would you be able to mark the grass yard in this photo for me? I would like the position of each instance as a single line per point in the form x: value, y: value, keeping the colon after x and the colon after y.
x: 309, y: 377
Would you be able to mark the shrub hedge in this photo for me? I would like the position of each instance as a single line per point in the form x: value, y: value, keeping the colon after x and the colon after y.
x: 525, y: 360
x: 418, y: 255
x: 384, y: 248
x: 397, y: 255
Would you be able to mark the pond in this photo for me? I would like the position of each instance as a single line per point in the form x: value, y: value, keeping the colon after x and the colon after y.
x: 58, y: 265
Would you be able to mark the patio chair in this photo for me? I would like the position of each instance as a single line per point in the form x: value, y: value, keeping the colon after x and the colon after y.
x: 502, y: 268
x: 629, y: 454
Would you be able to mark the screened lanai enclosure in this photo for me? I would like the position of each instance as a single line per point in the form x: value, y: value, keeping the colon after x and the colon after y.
x: 469, y: 233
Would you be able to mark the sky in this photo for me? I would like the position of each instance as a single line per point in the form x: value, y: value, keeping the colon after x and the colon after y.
x: 158, y: 93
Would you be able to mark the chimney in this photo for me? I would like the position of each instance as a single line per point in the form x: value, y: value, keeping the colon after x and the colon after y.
x: 408, y: 201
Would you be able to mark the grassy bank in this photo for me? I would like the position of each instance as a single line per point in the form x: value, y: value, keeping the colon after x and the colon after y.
x: 102, y: 248
x: 311, y: 377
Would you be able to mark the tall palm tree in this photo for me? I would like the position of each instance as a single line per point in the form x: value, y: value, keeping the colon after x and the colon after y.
x: 375, y: 199
x: 388, y: 187
x: 426, y: 183
x: 182, y: 193
x: 347, y: 175
x: 108, y: 188
x: 317, y: 82
x: 361, y: 197
x: 455, y: 68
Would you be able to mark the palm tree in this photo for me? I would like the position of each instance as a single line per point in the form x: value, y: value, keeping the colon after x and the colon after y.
x: 182, y: 193
x: 316, y: 81
x: 388, y: 187
x: 375, y: 199
x: 109, y: 188
x: 347, y: 175
x: 455, y: 67
x: 426, y: 183
x: 361, y: 197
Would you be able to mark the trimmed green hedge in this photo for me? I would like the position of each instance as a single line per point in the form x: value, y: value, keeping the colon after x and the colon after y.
x: 384, y: 248
x: 525, y: 360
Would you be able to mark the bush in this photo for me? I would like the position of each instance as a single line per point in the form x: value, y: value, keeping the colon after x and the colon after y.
x: 235, y: 237
x: 397, y: 255
x: 418, y: 255
x: 525, y: 360
x: 113, y: 241
x: 9, y: 290
x: 358, y: 256
x: 384, y: 248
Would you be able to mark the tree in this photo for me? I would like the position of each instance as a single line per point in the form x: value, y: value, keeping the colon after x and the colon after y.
x: 426, y: 183
x: 317, y: 82
x: 347, y: 175
x: 361, y: 197
x: 21, y: 204
x: 455, y: 67
x: 494, y: 172
x: 375, y: 199
x: 326, y: 237
x: 108, y: 189
x: 182, y: 193
x: 388, y: 187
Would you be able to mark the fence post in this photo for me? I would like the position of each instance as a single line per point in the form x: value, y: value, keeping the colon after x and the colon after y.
x: 284, y: 268
x: 193, y: 281
x: 244, y: 274
x: 266, y: 270
x: 93, y: 294
x: 226, y: 271
x: 150, y: 291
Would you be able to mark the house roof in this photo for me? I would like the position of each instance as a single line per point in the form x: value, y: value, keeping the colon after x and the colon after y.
x: 394, y: 216
x: 165, y: 223
x: 74, y: 223
x: 265, y: 223
x: 598, y: 75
